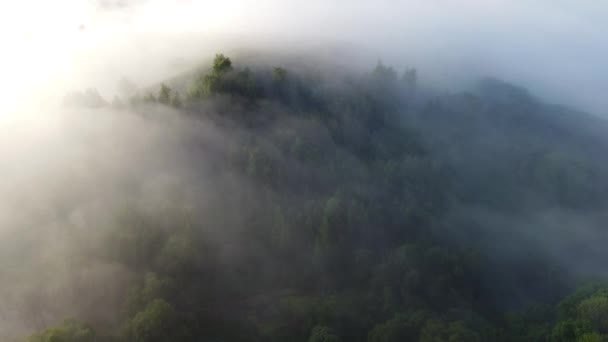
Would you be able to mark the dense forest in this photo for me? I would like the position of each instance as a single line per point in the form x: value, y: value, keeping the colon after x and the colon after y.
x: 313, y: 205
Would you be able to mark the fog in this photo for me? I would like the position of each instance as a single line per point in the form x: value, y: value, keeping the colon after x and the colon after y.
x: 67, y: 173
x: 555, y: 48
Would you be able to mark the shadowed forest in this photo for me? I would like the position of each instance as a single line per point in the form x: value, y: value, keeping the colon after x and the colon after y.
x: 260, y: 202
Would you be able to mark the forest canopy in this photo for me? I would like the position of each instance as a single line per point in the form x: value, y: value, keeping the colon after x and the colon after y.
x: 347, y: 207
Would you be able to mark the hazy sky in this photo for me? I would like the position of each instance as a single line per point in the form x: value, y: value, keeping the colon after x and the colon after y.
x: 557, y: 48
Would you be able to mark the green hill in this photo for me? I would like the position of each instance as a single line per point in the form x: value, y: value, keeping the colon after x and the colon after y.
x: 358, y: 206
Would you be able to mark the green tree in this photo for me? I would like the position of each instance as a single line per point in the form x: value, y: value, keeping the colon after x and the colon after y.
x: 333, y: 221
x: 279, y: 74
x: 176, y: 100
x: 158, y: 322
x: 69, y: 331
x: 322, y: 333
x: 153, y: 287
x: 164, y: 94
x: 402, y: 327
x: 221, y: 64
x: 134, y: 240
x: 437, y: 331
x: 384, y: 73
x: 410, y: 78
x: 281, y: 235
x: 568, y: 330
x: 595, y: 310
x: 591, y: 337
x: 206, y: 85
x: 213, y: 82
x: 178, y: 255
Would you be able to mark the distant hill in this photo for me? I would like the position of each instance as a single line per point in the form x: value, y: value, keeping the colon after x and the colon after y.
x: 336, y: 205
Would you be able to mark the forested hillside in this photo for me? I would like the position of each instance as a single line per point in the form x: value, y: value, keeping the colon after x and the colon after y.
x: 304, y: 205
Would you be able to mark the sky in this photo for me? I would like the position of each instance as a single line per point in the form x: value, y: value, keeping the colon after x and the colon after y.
x: 556, y: 48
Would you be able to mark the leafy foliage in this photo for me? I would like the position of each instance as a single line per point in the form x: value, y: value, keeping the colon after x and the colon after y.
x: 69, y: 331
x: 346, y: 224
